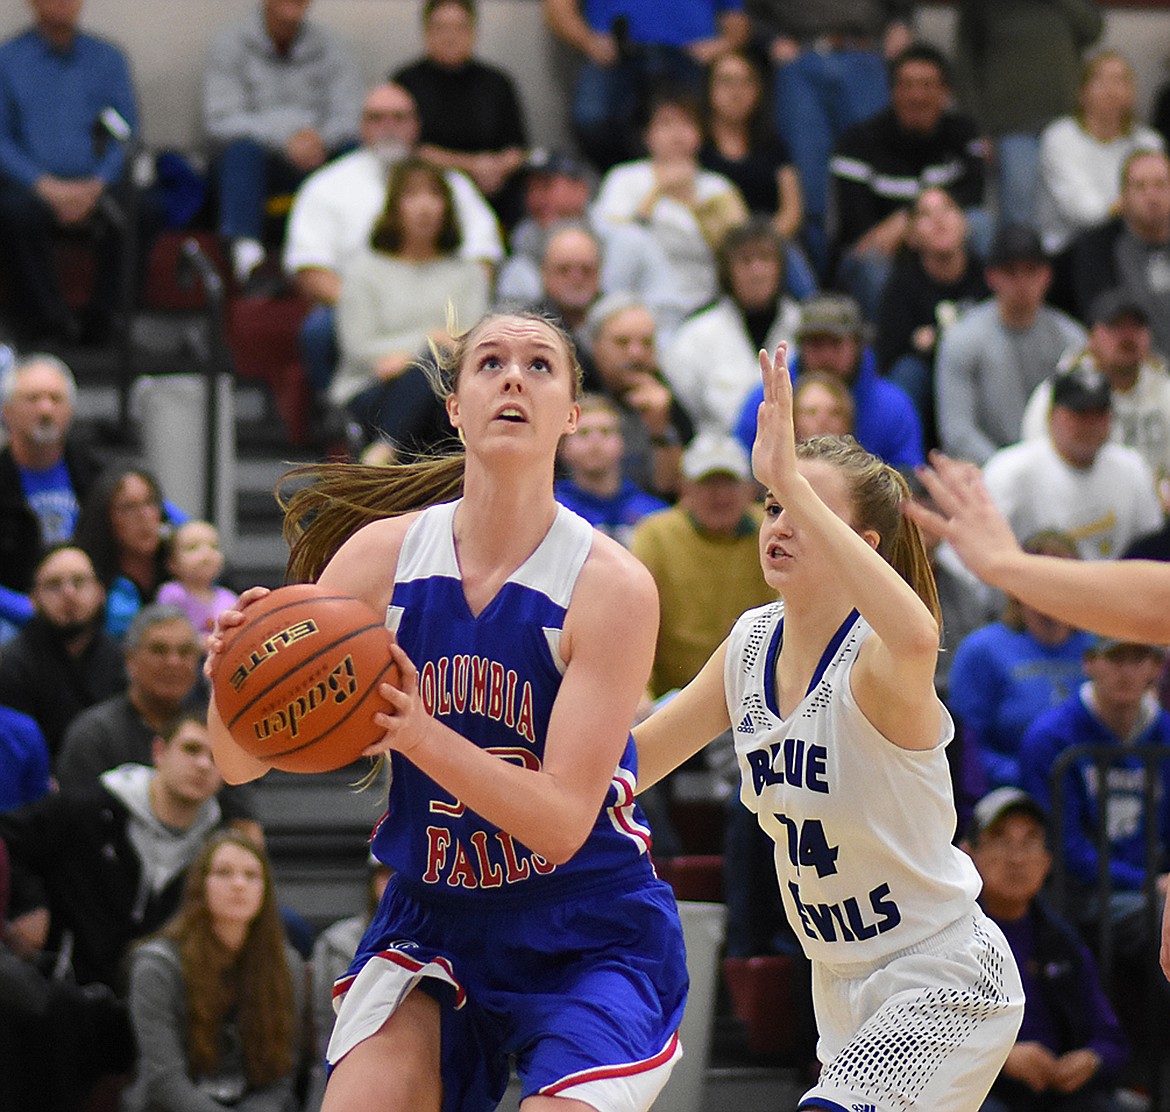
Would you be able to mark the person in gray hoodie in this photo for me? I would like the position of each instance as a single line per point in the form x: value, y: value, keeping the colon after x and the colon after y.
x: 95, y: 870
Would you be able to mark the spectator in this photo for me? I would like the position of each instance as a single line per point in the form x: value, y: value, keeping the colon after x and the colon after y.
x: 470, y: 112
x: 217, y: 997
x: 1074, y: 479
x: 162, y: 657
x: 1017, y: 64
x: 1116, y: 709
x: 568, y: 284
x: 63, y: 661
x: 880, y: 165
x: 1070, y: 1046
x: 394, y: 299
x: 56, y: 83
x: 595, y: 487
x: 934, y: 280
x: 741, y: 144
x: 1007, y: 672
x: 713, y: 361
x: 1133, y: 249
x: 122, y: 526
x: 830, y: 65
x: 45, y: 471
x: 630, y: 49
x: 830, y: 340
x: 280, y: 98
x: 570, y: 281
x: 107, y: 863
x: 1081, y: 155
x: 1119, y: 347
x: 195, y: 560
x: 704, y: 557
x: 332, y: 953
x: 557, y: 189
x: 24, y: 760
x: 991, y: 360
x: 58, y: 1042
x: 687, y: 209
x: 655, y: 427
x: 821, y: 406
x: 335, y: 209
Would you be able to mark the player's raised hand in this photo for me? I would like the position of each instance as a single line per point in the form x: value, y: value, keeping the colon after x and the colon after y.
x: 774, y: 450
x: 966, y: 516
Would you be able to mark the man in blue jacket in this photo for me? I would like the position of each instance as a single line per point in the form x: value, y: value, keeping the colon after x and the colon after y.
x: 830, y: 339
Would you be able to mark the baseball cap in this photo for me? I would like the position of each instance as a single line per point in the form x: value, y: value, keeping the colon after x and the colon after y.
x: 1000, y: 802
x: 1081, y: 388
x: 1016, y: 243
x: 830, y: 314
x: 1109, y: 307
x: 713, y: 453
x: 545, y: 161
x: 1102, y: 645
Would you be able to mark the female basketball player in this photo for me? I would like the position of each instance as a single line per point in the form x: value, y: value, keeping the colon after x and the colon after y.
x: 524, y: 917
x: 840, y: 741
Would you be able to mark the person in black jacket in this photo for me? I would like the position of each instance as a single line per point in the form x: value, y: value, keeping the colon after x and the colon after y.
x: 94, y: 870
x: 1070, y: 1045
x: 45, y: 473
x: 880, y: 165
x: 63, y: 661
x: 471, y: 115
x: 1131, y: 251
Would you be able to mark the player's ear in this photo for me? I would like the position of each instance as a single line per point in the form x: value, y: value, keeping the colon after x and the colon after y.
x: 452, y: 404
x: 572, y: 419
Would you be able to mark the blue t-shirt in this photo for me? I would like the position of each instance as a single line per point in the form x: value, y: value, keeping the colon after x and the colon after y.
x: 616, y: 515
x: 51, y: 497
x: 651, y: 21
x: 1001, y: 680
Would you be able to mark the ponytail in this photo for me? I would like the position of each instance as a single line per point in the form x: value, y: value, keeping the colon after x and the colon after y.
x: 342, y: 497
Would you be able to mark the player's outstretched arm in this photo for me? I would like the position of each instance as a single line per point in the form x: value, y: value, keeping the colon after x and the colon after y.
x: 678, y: 730
x: 893, y: 681
x: 1116, y: 598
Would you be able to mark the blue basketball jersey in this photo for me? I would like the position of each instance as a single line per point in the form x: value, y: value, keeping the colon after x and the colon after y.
x: 493, y: 677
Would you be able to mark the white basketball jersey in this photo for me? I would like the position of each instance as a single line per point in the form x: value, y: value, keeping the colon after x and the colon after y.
x: 862, y: 827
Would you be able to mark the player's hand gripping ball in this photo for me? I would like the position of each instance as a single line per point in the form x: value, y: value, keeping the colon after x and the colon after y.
x: 297, y: 683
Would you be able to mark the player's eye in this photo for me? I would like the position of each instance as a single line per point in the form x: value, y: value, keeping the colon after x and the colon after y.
x: 541, y: 365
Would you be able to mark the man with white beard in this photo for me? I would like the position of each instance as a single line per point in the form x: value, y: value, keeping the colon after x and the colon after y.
x: 335, y: 208
x: 44, y: 472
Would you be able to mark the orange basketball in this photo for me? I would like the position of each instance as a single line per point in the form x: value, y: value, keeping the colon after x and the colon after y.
x: 297, y: 684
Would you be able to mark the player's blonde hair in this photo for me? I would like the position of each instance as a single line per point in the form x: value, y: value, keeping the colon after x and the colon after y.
x: 878, y: 492
x: 342, y: 497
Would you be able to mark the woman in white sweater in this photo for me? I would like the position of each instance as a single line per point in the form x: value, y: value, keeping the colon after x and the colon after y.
x: 1081, y: 156
x: 397, y: 298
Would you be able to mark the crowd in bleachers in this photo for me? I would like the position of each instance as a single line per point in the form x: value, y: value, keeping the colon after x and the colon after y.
x: 965, y: 249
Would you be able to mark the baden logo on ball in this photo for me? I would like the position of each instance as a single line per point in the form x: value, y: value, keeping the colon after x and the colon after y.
x: 297, y: 685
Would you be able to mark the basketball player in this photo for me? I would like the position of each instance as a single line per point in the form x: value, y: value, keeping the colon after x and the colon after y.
x: 524, y: 917
x: 1126, y: 599
x: 840, y: 741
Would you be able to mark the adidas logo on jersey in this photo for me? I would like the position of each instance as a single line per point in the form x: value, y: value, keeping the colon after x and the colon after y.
x: 864, y: 1107
x: 746, y: 726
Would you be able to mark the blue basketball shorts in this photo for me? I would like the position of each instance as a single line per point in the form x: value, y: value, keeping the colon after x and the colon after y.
x: 586, y: 994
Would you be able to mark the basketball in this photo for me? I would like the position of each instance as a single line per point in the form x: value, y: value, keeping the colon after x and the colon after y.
x: 297, y: 683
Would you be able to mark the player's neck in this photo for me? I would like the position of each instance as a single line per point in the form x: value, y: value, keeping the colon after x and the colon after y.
x: 501, y: 523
